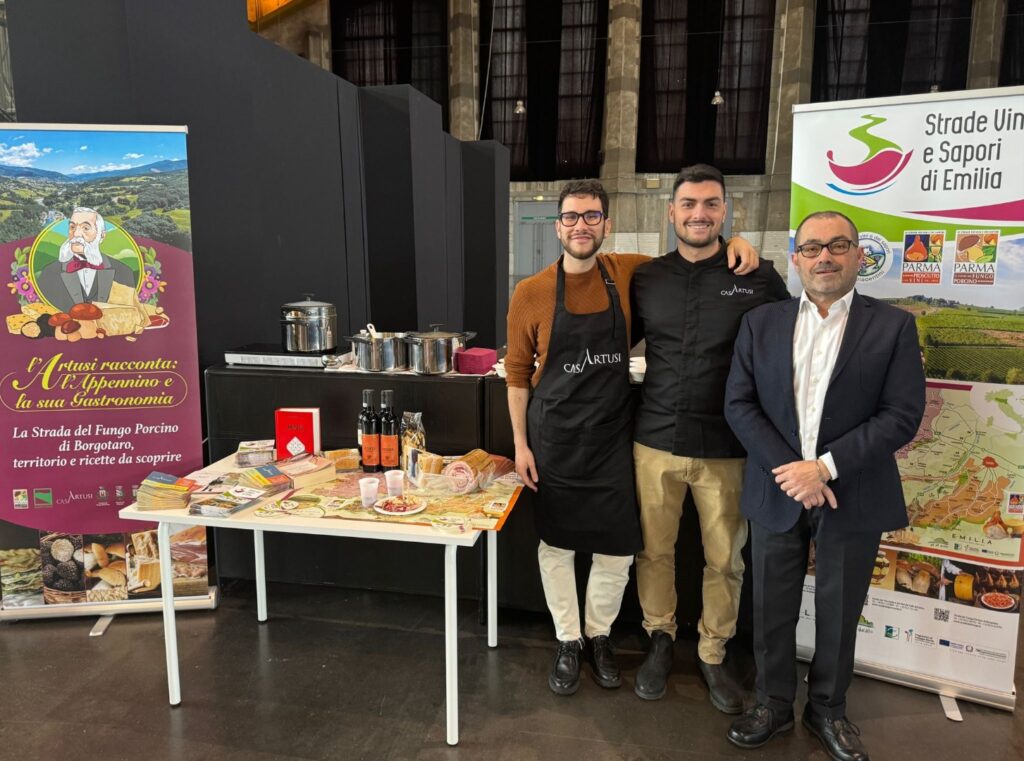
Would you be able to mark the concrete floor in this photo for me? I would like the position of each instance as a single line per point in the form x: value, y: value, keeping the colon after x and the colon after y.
x: 341, y: 674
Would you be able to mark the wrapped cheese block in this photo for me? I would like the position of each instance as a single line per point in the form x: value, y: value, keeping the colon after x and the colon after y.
x: 118, y: 319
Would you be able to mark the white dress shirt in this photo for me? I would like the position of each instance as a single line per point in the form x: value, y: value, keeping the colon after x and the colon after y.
x: 86, y: 276
x: 816, y: 342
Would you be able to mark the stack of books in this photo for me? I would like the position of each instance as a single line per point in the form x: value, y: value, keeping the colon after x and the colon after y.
x: 306, y: 470
x: 252, y: 454
x: 161, y: 491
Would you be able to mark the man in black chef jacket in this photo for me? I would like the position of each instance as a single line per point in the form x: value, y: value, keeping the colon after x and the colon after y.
x: 573, y: 435
x: 688, y: 305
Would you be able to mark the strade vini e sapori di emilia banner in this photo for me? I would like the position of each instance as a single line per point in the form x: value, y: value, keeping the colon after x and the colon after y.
x: 99, y: 379
x: 934, y: 183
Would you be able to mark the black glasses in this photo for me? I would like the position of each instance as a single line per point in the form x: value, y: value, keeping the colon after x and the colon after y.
x: 836, y: 247
x: 570, y: 218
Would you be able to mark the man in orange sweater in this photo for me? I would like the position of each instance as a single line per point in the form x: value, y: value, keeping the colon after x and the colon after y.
x: 573, y: 438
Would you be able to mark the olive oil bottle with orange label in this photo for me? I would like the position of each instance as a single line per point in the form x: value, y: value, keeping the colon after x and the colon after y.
x: 389, y: 454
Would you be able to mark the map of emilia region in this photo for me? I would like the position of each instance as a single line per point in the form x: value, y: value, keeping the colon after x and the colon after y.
x: 963, y: 475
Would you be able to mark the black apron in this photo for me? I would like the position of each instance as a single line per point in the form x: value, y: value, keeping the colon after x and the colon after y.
x: 580, y: 428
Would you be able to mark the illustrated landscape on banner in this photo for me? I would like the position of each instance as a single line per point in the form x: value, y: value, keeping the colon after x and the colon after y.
x: 100, y: 379
x: 932, y: 184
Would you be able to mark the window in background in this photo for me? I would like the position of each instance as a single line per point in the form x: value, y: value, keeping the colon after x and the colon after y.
x: 688, y: 51
x: 547, y: 59
x: 1011, y: 71
x: 390, y: 42
x: 878, y: 48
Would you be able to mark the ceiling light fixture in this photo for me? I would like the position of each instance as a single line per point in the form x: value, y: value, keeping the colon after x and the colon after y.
x: 520, y: 108
x: 717, y: 99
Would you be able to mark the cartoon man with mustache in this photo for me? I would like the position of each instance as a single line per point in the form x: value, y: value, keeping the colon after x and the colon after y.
x: 81, y: 273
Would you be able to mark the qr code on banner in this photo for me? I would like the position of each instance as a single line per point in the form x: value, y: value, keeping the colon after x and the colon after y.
x: 941, y: 614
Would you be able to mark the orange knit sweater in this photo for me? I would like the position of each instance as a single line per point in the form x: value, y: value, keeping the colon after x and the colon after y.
x: 532, y: 309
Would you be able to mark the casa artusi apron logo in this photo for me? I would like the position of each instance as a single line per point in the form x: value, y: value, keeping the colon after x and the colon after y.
x: 591, y: 359
x: 877, y: 170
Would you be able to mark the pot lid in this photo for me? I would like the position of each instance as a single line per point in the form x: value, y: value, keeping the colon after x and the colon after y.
x: 308, y: 309
x: 441, y: 335
x: 436, y: 333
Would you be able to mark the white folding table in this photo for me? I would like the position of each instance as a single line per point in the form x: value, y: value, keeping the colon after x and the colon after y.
x: 395, y: 532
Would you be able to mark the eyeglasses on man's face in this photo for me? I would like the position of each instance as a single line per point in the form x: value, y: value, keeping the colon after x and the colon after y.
x: 836, y: 247
x: 570, y: 218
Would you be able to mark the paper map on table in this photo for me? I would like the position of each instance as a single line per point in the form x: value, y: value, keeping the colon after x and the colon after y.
x: 963, y: 474
x: 482, y: 510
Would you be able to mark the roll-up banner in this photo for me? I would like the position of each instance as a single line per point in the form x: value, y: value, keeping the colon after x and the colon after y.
x: 935, y: 186
x: 99, y: 383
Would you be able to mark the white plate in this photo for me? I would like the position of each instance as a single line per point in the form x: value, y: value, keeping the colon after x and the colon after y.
x: 412, y: 511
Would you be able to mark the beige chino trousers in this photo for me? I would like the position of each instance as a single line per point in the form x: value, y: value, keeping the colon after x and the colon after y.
x: 607, y: 582
x: 662, y: 480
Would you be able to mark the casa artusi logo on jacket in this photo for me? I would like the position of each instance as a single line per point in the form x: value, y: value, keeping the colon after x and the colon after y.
x: 737, y: 290
x: 591, y: 359
x: 874, y: 172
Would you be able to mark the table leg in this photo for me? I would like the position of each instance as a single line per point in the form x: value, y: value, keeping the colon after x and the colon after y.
x: 163, y: 537
x: 492, y: 588
x: 451, y: 644
x: 261, y: 577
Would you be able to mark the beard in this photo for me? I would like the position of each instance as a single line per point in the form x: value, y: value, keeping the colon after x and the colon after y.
x: 91, y: 251
x: 573, y: 249
x: 690, y: 239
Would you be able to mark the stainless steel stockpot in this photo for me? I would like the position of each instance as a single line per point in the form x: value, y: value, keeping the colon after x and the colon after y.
x: 378, y: 352
x: 431, y: 353
x: 309, y: 326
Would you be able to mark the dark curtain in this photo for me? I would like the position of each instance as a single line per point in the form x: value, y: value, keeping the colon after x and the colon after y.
x: 661, y: 121
x: 688, y: 50
x: 840, y: 50
x: 1011, y: 70
x: 581, y: 81
x: 503, y: 59
x: 878, y: 48
x: 551, y: 55
x: 389, y: 42
x: 744, y: 79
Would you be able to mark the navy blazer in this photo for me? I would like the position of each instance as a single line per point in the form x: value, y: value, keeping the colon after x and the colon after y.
x: 873, y: 406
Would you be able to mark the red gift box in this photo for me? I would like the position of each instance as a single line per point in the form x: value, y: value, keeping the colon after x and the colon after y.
x: 475, y: 361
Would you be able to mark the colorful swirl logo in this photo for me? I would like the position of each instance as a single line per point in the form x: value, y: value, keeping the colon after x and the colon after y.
x: 877, y: 171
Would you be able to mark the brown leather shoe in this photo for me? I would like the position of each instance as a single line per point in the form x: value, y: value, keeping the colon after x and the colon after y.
x: 839, y: 737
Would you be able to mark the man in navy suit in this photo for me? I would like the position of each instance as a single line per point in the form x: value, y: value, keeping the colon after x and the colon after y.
x: 822, y: 392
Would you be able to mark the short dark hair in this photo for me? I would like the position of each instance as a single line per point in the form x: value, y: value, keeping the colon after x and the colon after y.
x: 698, y: 173
x: 826, y: 215
x: 591, y: 188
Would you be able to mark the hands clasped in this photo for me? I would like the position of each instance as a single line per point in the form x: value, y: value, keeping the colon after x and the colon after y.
x: 802, y: 480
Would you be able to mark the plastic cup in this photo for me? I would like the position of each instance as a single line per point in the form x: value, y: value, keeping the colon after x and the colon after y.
x: 395, y: 480
x: 368, y: 490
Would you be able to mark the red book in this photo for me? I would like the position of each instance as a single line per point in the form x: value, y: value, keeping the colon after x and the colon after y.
x: 297, y: 431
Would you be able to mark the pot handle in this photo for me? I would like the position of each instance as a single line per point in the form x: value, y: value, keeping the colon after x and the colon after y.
x: 469, y: 334
x: 357, y: 339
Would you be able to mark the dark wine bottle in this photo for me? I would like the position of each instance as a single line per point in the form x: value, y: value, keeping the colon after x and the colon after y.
x: 389, y: 454
x: 369, y: 435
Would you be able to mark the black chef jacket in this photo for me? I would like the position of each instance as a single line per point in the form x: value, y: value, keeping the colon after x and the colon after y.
x: 690, y: 312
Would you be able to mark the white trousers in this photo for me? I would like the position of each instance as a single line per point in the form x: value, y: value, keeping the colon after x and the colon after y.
x: 607, y: 582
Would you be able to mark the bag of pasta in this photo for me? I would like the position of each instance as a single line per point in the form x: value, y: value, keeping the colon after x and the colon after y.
x: 414, y: 437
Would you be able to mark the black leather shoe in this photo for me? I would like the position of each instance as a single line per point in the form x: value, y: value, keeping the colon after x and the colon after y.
x: 757, y: 726
x: 722, y: 689
x: 840, y: 737
x: 602, y: 660
x: 565, y: 672
x: 652, y: 678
